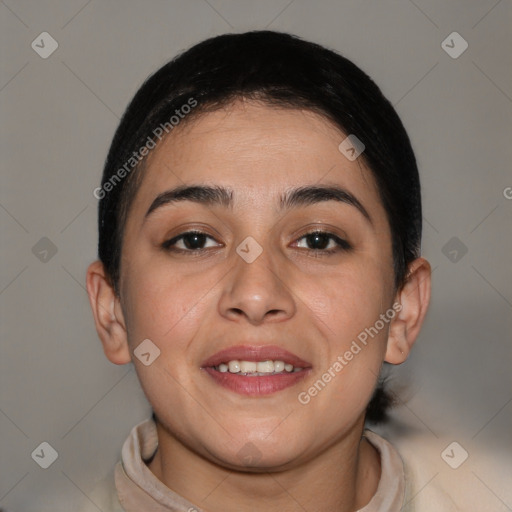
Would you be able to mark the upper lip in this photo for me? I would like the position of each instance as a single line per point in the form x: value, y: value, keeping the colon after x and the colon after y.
x: 255, y: 353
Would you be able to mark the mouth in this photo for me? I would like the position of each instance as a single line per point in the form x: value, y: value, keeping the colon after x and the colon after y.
x: 256, y: 370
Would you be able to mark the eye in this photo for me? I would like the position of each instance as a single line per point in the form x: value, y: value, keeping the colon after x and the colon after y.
x: 197, y: 242
x: 323, y: 241
x: 190, y: 241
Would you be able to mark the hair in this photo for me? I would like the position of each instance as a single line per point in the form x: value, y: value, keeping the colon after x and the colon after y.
x: 280, y: 70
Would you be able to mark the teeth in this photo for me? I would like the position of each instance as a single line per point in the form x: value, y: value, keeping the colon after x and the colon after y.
x: 247, y: 366
x: 265, y: 367
x: 254, y: 368
x: 234, y: 366
x: 278, y: 366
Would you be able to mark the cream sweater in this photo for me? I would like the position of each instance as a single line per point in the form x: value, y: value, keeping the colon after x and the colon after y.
x: 406, y: 485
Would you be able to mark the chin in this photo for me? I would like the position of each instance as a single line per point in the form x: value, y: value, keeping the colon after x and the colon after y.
x: 258, y: 455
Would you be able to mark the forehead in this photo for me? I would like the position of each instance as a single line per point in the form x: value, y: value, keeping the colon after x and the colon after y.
x: 256, y: 150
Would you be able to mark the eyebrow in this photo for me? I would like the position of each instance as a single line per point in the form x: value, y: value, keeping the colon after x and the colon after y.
x: 222, y: 196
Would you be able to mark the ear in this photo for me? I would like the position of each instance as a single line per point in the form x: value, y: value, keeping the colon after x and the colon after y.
x: 108, y: 315
x: 414, y: 298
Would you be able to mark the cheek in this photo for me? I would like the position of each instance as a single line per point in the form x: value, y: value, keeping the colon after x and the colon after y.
x: 166, y: 309
x: 349, y: 300
x: 169, y: 308
x: 163, y: 304
x: 347, y: 306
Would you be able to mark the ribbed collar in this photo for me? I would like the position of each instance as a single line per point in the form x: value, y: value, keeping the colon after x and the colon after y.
x: 139, y: 489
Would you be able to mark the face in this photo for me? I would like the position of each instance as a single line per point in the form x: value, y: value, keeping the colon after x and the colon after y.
x: 259, y: 279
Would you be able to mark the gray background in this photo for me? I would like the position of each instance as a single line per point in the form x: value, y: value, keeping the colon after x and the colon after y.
x: 58, y: 117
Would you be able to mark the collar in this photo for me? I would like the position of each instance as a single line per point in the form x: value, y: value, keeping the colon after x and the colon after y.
x: 139, y: 489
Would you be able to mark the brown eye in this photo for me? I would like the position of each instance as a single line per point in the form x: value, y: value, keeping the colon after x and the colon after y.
x: 191, y: 241
x: 324, y: 242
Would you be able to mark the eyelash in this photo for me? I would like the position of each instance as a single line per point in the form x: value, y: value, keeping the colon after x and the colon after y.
x: 342, y: 245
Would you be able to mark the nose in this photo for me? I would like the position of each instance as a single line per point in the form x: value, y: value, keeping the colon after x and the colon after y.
x: 257, y: 292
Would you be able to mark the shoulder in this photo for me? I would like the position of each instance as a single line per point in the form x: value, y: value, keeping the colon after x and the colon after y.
x: 425, y: 490
x: 430, y: 482
x: 103, y: 497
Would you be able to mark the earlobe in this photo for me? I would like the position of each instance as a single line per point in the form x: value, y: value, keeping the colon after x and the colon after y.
x: 397, y: 350
x: 414, y: 298
x: 108, y: 317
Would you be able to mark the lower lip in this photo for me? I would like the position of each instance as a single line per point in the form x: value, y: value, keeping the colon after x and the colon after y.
x: 256, y: 386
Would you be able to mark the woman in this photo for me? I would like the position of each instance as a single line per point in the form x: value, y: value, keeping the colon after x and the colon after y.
x: 259, y: 261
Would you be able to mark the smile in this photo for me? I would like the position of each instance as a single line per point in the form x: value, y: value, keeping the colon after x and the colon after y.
x: 256, y: 370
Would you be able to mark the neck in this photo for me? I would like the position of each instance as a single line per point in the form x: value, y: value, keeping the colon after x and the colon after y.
x: 344, y: 477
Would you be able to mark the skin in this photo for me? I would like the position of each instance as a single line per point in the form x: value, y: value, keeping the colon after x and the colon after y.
x: 310, y: 457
